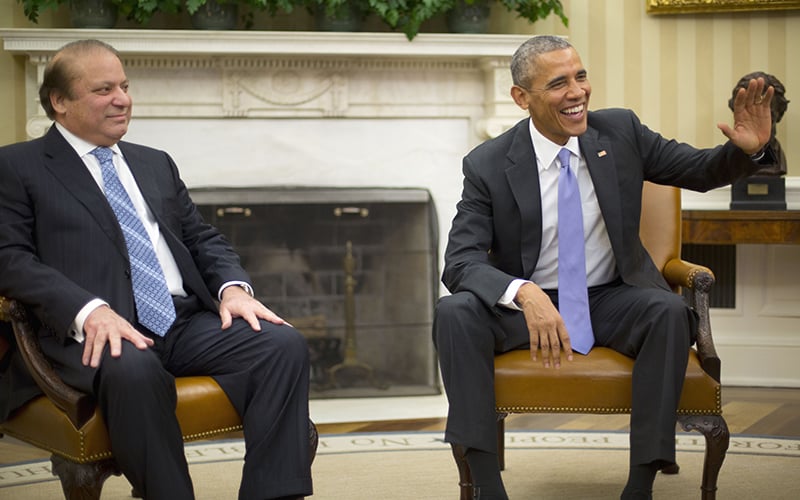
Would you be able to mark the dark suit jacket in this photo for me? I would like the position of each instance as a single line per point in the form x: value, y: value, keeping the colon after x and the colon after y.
x: 61, y: 245
x: 496, y: 233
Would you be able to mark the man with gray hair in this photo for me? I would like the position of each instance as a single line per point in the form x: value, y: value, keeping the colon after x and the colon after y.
x: 130, y: 288
x: 525, y: 273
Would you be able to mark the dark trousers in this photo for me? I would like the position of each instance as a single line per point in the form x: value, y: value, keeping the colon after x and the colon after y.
x: 654, y: 326
x: 265, y: 375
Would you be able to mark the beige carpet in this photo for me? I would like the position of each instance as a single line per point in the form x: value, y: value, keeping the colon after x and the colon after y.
x: 540, y: 465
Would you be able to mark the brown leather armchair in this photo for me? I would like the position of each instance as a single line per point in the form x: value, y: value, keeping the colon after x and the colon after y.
x: 67, y: 423
x: 600, y: 383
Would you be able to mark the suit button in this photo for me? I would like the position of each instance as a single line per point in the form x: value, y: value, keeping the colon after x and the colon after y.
x: 128, y: 273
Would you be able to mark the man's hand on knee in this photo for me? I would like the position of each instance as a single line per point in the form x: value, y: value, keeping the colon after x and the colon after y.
x: 547, y: 330
x: 104, y: 326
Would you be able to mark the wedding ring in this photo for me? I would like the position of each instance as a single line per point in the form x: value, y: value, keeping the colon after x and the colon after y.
x: 759, y: 100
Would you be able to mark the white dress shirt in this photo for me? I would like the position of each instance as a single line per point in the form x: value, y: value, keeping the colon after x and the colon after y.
x: 601, y: 266
x: 168, y: 265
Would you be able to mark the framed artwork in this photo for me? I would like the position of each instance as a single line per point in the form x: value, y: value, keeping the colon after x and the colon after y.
x: 704, y: 6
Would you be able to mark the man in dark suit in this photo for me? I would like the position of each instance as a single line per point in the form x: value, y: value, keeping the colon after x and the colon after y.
x: 501, y: 262
x: 64, y: 254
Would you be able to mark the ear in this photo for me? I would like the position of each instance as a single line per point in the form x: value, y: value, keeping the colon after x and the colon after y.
x: 520, y: 97
x: 57, y: 101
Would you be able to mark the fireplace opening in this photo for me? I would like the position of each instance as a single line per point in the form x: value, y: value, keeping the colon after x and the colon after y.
x: 355, y: 270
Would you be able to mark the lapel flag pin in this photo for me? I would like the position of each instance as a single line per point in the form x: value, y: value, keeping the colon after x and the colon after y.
x: 601, y: 153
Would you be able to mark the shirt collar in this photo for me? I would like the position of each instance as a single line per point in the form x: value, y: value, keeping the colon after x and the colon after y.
x: 547, y: 150
x: 79, y: 145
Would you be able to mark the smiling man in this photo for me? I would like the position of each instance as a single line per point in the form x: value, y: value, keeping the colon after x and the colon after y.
x: 526, y: 270
x: 130, y: 288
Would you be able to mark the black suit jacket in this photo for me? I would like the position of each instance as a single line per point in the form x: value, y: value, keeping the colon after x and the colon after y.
x: 496, y: 233
x: 61, y: 245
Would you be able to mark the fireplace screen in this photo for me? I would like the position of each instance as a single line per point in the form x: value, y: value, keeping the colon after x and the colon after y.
x: 355, y: 270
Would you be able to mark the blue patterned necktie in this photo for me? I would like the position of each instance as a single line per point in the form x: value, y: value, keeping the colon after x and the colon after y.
x: 573, y: 295
x: 154, y: 305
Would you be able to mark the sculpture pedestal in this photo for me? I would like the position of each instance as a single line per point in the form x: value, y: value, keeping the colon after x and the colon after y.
x: 759, y: 193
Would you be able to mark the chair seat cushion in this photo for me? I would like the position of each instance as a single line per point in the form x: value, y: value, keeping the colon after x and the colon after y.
x: 203, y: 411
x: 597, y: 383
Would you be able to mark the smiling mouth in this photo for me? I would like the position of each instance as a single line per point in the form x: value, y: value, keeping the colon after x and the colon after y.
x: 573, y: 111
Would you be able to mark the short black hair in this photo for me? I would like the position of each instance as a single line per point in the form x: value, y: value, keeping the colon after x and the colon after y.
x: 523, y: 62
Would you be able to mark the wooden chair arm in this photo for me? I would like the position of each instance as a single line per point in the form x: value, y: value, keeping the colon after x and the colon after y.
x: 684, y: 274
x: 78, y: 407
x: 697, y: 281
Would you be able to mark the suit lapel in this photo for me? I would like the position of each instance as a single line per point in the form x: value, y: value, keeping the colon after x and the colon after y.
x: 523, y: 179
x: 65, y: 165
x: 145, y: 179
x: 600, y: 161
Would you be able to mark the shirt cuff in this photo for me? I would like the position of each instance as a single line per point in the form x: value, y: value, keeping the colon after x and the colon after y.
x: 507, y: 299
x: 76, y: 332
x: 759, y: 154
x: 246, y: 286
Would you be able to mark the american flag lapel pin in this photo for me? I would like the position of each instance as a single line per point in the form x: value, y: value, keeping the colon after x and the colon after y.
x: 601, y: 153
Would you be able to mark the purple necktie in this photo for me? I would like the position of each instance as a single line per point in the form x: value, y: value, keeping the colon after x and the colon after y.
x: 573, y: 295
x: 154, y: 305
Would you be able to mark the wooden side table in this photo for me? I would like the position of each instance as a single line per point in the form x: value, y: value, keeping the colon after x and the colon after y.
x: 731, y: 227
x: 712, y: 236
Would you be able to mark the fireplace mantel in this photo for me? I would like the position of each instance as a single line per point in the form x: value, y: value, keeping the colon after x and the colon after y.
x: 305, y: 43
x: 288, y: 74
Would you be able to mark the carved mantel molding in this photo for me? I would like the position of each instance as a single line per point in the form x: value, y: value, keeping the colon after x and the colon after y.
x: 242, y: 74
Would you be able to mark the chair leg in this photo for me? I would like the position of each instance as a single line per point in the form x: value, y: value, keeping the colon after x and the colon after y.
x: 501, y: 439
x: 715, y: 430
x: 82, y: 481
x: 464, y: 474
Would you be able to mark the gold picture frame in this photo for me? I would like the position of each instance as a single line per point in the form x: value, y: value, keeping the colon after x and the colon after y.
x: 705, y: 6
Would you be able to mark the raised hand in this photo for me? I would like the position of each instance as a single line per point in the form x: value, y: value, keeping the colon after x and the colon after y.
x: 752, y: 117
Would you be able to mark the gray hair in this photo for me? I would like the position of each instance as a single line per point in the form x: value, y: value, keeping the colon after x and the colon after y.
x: 523, y: 62
x: 60, y: 72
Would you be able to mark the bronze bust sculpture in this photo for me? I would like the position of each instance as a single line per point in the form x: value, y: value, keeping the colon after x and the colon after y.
x: 778, y: 105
